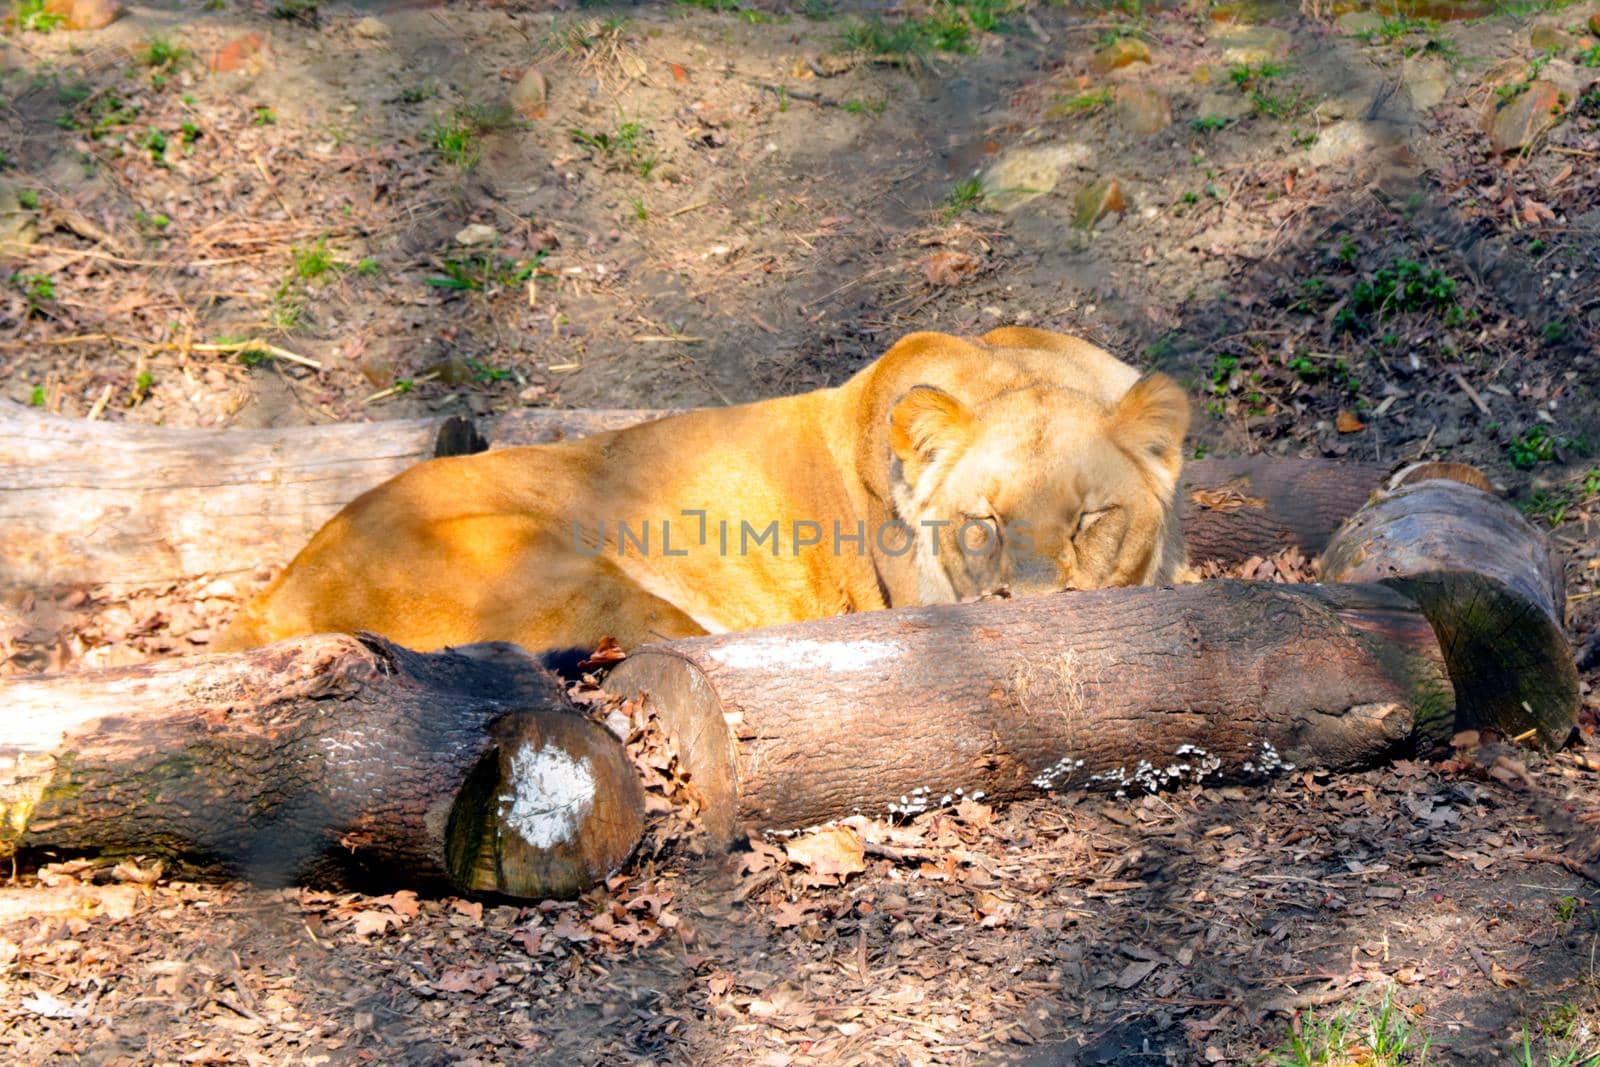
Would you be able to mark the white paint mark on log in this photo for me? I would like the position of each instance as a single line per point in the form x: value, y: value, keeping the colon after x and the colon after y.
x: 835, y: 657
x: 553, y: 794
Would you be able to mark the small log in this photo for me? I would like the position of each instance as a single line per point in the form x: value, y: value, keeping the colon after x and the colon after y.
x: 1489, y: 582
x: 94, y: 503
x: 332, y: 760
x: 1129, y: 689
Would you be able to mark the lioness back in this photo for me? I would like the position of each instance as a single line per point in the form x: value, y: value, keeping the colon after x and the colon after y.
x: 948, y: 469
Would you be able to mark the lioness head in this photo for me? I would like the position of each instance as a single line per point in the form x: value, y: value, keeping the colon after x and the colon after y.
x: 1038, y: 489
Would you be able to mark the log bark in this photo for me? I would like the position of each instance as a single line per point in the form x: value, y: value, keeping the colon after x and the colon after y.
x: 117, y: 503
x: 1490, y: 584
x: 96, y: 503
x: 1127, y: 689
x: 1236, y: 508
x: 333, y: 760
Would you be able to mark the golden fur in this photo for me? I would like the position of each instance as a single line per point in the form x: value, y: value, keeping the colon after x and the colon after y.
x: 1052, y: 462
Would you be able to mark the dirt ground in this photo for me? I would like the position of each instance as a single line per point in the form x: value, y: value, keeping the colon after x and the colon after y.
x: 258, y: 214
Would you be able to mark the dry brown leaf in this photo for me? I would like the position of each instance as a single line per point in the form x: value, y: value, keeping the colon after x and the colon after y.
x: 471, y: 910
x: 376, y: 921
x: 1508, y: 770
x: 832, y: 850
x: 1348, y: 423
x: 477, y: 980
x: 1134, y: 973
x: 788, y: 914
x: 607, y: 653
x: 948, y: 268
x: 1504, y: 978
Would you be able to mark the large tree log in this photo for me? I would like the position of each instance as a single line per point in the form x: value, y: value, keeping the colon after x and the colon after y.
x: 118, y: 503
x: 1489, y: 582
x: 334, y: 760
x: 1128, y: 688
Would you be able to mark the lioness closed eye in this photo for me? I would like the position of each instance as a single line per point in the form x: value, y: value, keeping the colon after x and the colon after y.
x: 949, y: 469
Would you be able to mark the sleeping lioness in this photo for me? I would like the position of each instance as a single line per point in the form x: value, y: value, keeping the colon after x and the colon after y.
x: 947, y: 470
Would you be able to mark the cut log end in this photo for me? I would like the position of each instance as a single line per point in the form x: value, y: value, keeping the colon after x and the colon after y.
x: 686, y: 703
x: 552, y: 809
x: 1489, y: 585
x: 1509, y: 662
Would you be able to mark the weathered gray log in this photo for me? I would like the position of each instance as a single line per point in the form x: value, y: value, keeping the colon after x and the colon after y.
x: 119, y: 503
x: 334, y: 760
x: 1125, y: 688
x: 116, y: 503
x: 1489, y: 582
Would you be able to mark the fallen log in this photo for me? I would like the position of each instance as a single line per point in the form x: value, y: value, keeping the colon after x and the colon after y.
x: 1490, y: 584
x: 331, y: 760
x: 1451, y: 619
x: 93, y: 503
x: 1128, y: 689
x: 118, y: 503
x: 1236, y: 508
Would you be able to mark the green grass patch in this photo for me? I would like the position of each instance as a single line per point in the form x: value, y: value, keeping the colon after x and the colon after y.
x: 1403, y: 286
x: 864, y: 107
x: 1383, y: 1036
x: 483, y: 273
x: 31, y: 16
x: 628, y: 147
x: 951, y: 26
x: 37, y: 289
x: 966, y: 195
x: 315, y: 262
x: 162, y: 55
x: 1245, y: 76
x: 1531, y: 447
x: 1079, y: 104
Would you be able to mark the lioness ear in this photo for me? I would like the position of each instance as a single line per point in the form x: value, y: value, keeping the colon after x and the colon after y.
x: 925, y: 422
x: 1150, y: 421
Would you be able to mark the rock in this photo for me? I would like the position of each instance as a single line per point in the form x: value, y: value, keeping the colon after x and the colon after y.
x: 1517, y: 124
x: 1025, y: 174
x: 476, y: 234
x: 1339, y: 141
x: 84, y: 14
x: 1097, y: 201
x: 1427, y: 80
x: 1569, y: 79
x: 1231, y: 106
x: 531, y: 94
x: 16, y: 222
x: 1548, y: 39
x: 248, y: 51
x: 370, y: 29
x: 1120, y: 53
x: 1251, y: 45
x: 1358, y: 23
x: 1142, y: 110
